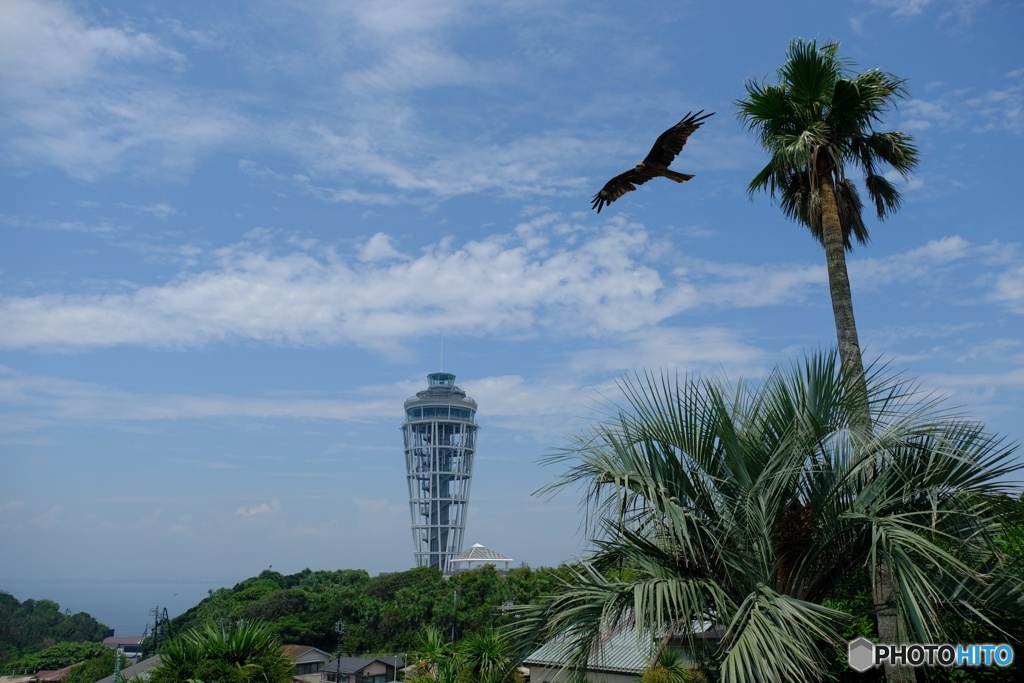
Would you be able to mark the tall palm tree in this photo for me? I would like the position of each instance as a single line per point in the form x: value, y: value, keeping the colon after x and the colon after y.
x: 750, y: 504
x: 817, y: 123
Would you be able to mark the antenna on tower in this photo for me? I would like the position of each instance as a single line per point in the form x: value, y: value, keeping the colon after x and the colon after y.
x: 442, y: 352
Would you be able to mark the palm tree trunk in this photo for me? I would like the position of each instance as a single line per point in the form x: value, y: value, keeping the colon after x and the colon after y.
x: 853, y: 364
x: 886, y: 616
x: 839, y: 279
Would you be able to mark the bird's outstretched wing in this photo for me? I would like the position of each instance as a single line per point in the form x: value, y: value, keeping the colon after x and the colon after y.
x: 618, y: 186
x: 670, y: 143
x: 666, y: 148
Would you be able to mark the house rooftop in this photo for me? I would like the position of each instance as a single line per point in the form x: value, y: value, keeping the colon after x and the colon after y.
x: 114, y: 641
x: 480, y: 553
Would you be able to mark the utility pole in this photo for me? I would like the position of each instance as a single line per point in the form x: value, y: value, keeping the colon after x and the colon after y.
x: 455, y: 606
x: 156, y: 627
x: 340, y: 628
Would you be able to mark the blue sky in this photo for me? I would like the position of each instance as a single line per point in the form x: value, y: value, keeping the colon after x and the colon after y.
x: 233, y: 236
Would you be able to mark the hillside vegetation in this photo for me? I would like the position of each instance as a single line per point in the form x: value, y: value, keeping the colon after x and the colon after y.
x: 31, y: 626
x: 384, y: 613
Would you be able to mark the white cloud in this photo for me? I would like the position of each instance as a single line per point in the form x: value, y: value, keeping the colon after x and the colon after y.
x: 408, y: 157
x: 101, y: 227
x: 51, y: 518
x: 261, y: 510
x: 183, y: 527
x: 903, y: 7
x: 921, y: 114
x: 551, y: 401
x: 93, y: 112
x: 155, y: 132
x: 1011, y: 377
x: 962, y: 10
x: 418, y: 66
x: 686, y: 349
x: 400, y: 19
x: 547, y: 275
x: 69, y: 400
x: 378, y: 248
x: 747, y: 286
x: 497, y: 283
x: 915, y: 264
x: 1009, y: 289
x: 45, y: 45
x: 71, y: 103
x: 998, y: 107
x: 159, y: 209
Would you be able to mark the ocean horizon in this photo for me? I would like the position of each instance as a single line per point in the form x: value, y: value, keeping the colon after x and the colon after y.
x: 125, y: 605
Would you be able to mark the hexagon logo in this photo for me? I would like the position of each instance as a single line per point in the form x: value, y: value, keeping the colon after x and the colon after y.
x: 861, y: 654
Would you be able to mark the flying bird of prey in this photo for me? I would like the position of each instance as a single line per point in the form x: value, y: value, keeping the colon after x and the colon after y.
x: 666, y: 148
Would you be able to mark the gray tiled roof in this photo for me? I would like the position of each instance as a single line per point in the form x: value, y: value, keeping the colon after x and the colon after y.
x: 621, y: 651
x: 348, y: 665
x: 480, y: 553
x: 134, y: 670
x: 356, y: 664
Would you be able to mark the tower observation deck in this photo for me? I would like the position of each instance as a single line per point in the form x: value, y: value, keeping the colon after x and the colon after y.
x: 440, y: 441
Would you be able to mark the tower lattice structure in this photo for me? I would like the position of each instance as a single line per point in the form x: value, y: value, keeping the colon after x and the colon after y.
x: 440, y: 443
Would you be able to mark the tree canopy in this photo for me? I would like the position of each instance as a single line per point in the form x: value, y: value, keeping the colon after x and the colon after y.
x: 33, y: 625
x: 381, y: 614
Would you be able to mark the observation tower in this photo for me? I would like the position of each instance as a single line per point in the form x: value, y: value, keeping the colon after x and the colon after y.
x: 440, y: 441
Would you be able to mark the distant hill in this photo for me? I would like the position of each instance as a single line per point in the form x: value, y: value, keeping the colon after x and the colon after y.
x: 33, y: 625
x: 385, y: 613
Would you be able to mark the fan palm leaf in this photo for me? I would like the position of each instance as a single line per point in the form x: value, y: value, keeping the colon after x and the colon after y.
x: 753, y: 502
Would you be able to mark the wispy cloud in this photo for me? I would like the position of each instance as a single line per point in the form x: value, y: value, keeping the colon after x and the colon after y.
x: 549, y: 274
x: 158, y: 210
x: 61, y: 399
x: 82, y: 110
x: 261, y: 510
x: 999, y: 106
x: 915, y: 264
x: 499, y: 282
x: 903, y: 8
x: 11, y: 506
x: 1009, y: 289
x: 46, y: 45
x: 70, y: 101
x: 98, y: 227
x: 962, y: 10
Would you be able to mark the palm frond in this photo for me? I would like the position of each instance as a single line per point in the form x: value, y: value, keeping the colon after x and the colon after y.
x: 752, y: 501
x: 775, y: 637
x: 848, y: 202
x: 818, y: 107
x: 810, y: 72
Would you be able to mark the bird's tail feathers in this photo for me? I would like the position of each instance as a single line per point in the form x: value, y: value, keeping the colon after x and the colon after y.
x: 678, y: 177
